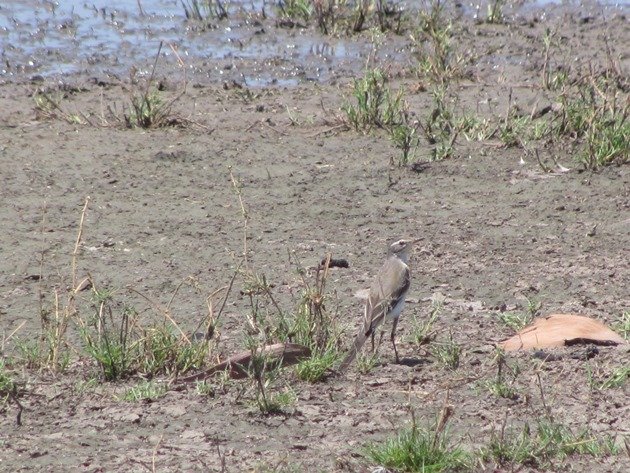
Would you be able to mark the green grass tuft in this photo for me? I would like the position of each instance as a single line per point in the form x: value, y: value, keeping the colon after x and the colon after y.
x: 143, y: 391
x: 415, y: 450
x: 549, y: 440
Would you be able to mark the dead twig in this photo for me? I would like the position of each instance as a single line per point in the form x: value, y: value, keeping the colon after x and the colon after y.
x: 285, y: 353
x: 445, y: 415
x: 165, y: 312
x: 14, y: 397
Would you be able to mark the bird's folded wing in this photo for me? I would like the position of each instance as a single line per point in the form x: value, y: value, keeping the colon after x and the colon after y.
x: 386, y: 293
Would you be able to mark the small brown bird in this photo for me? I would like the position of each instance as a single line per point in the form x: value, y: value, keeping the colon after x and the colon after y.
x: 386, y: 298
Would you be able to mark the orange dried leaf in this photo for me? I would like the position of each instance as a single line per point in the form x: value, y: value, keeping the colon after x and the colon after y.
x: 558, y: 330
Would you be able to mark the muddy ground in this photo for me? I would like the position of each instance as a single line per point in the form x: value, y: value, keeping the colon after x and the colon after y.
x: 496, y: 231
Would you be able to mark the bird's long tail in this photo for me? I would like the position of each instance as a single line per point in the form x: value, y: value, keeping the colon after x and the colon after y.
x: 359, y: 341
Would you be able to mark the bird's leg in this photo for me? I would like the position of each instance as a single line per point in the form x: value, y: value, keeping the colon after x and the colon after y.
x: 394, y: 324
x: 380, y: 340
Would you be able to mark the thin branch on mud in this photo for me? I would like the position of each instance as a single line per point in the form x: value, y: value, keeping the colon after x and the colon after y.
x: 222, y: 459
x: 157, y: 56
x: 542, y: 396
x: 13, y: 395
x: 286, y: 353
x: 5, y: 340
x: 42, y: 253
x: 155, y: 450
x: 170, y: 301
x: 211, y: 318
x: 165, y: 312
x: 244, y: 213
x: 78, y: 243
x: 210, y: 315
x: 445, y: 414
x: 196, y: 123
x: 264, y: 122
x: 334, y: 130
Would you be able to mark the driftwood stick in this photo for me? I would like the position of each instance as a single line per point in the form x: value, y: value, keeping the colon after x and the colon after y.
x: 286, y: 354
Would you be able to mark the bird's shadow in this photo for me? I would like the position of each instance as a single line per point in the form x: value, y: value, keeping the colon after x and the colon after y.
x: 413, y: 361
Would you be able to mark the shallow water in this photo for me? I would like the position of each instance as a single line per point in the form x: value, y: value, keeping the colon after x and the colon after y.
x: 48, y: 39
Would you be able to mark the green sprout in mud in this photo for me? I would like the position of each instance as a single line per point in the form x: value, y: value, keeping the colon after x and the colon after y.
x: 515, y: 320
x: 599, y: 381
x: 7, y: 384
x: 622, y: 325
x: 122, y: 347
x: 422, y: 330
x: 546, y: 441
x: 50, y: 107
x: 263, y: 371
x: 447, y: 352
x: 296, y: 9
x: 145, y: 390
x: 495, y: 11
x: 366, y: 362
x: 377, y: 106
x: 419, y: 450
x: 500, y: 385
x: 202, y: 10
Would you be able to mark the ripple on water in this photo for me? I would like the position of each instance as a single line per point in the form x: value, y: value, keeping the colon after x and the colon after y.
x: 55, y: 38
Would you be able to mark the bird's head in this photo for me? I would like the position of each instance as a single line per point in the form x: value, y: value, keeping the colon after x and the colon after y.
x: 401, y: 249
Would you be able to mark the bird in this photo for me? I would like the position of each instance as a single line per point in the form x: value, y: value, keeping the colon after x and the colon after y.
x: 386, y: 298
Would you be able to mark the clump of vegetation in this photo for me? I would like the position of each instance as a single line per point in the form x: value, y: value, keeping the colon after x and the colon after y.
x: 422, y: 331
x: 378, y: 107
x: 433, y: 44
x: 440, y: 128
x: 50, y: 107
x: 203, y: 10
x: 439, y: 65
x: 296, y: 9
x: 7, y: 385
x: 501, y: 386
x: 123, y: 347
x: 593, y: 113
x: 144, y: 391
x: 51, y: 351
x: 447, y: 352
x: 342, y: 16
x: 367, y: 361
x: 317, y: 329
x: 622, y: 325
x: 9, y: 390
x: 545, y: 442
x: 609, y: 379
x: 420, y: 450
x: 517, y: 320
x: 147, y: 109
x: 311, y: 326
x: 495, y: 11
x: 264, y: 372
x: 112, y: 333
